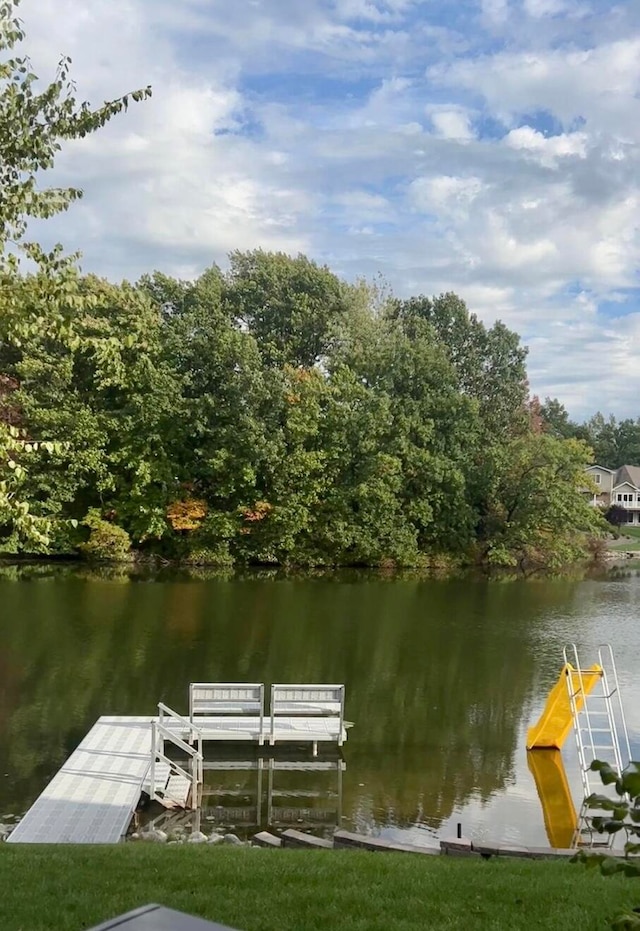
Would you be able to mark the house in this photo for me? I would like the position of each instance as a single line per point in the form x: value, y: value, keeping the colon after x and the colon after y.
x: 617, y: 486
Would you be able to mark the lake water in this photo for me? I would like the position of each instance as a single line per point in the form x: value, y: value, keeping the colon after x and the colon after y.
x: 442, y: 680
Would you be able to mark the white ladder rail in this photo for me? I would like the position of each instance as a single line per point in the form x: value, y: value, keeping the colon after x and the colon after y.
x: 159, y: 734
x: 589, y: 749
x: 605, y: 658
x: 579, y: 706
x: 195, y: 735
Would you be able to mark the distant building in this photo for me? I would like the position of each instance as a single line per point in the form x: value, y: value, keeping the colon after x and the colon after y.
x: 617, y: 486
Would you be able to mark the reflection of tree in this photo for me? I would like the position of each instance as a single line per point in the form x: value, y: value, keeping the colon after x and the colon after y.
x: 438, y: 673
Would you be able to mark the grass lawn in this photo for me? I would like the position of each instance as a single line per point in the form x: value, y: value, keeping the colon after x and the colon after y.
x: 71, y: 888
x: 632, y: 541
x: 627, y: 546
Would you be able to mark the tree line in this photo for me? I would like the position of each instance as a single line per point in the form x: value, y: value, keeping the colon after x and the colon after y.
x: 275, y: 413
x: 614, y: 442
x: 268, y: 413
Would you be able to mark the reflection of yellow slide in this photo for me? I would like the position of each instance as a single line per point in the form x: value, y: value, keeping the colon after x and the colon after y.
x: 560, y: 817
x: 556, y: 720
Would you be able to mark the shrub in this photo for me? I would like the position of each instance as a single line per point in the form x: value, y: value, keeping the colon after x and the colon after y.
x: 106, y: 541
x: 65, y: 538
x: 623, y: 817
x: 616, y: 515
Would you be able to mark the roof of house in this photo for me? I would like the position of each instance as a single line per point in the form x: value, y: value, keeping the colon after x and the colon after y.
x: 628, y: 473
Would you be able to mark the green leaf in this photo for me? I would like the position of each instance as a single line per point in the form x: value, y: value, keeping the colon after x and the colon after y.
x: 630, y: 783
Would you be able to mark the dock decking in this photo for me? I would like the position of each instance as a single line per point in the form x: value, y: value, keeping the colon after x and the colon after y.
x: 286, y: 729
x: 91, y: 799
x: 93, y: 796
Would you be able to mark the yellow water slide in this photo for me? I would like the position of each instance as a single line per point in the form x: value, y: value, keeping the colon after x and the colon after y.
x: 560, y: 816
x: 556, y: 719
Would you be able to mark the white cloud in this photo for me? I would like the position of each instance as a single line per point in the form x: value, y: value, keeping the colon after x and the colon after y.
x: 597, y: 84
x: 495, y: 10
x: 540, y: 8
x: 496, y: 154
x: 445, y: 194
x: 451, y: 122
x: 547, y: 148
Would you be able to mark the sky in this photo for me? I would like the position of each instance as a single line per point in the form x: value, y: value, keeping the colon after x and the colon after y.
x: 489, y: 147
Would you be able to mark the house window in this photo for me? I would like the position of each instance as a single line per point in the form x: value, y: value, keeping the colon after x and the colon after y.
x: 619, y: 497
x: 630, y: 517
x: 597, y: 478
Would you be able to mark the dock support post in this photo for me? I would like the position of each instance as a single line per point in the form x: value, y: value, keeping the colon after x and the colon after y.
x: 154, y: 747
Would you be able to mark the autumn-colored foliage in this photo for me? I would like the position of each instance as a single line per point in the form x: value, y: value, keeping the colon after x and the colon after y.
x: 259, y: 511
x: 9, y: 412
x: 187, y: 515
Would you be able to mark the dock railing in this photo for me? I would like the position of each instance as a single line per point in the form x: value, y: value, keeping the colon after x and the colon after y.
x: 161, y: 733
x: 165, y: 713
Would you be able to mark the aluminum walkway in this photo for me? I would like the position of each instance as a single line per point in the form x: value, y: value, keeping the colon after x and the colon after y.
x: 92, y: 798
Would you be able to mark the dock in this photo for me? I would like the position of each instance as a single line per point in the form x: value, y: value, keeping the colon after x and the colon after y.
x: 93, y: 797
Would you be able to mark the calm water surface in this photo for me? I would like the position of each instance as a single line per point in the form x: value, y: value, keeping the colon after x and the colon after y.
x: 442, y: 677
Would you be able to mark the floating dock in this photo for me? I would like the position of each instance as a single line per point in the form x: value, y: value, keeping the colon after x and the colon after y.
x: 92, y: 798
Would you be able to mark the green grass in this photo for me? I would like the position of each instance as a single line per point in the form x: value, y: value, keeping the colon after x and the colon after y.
x: 633, y: 541
x: 72, y: 888
x: 627, y: 547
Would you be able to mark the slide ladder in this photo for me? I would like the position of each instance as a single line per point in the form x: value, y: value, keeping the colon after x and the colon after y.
x: 599, y: 726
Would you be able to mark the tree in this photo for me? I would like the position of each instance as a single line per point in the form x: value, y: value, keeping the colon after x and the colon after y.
x: 604, y: 440
x: 534, y: 513
x: 432, y: 425
x: 290, y: 305
x: 34, y: 123
x: 489, y: 363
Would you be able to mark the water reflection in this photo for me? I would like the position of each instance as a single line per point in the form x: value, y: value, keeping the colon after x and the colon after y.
x: 245, y: 793
x: 442, y: 678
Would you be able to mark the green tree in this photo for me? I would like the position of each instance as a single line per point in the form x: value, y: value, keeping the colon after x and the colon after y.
x: 489, y: 362
x: 604, y: 440
x: 34, y: 122
x: 555, y: 418
x: 432, y: 425
x: 535, y: 513
x: 113, y: 402
x: 290, y: 305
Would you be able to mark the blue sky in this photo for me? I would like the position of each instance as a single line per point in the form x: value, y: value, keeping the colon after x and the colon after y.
x: 490, y: 147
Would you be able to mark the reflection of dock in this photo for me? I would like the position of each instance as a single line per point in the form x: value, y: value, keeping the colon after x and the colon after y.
x: 266, y: 792
x: 307, y: 805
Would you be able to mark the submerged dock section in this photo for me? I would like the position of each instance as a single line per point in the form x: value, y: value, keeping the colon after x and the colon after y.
x: 92, y: 798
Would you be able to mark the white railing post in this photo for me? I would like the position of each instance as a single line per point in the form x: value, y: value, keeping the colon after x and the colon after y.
x: 196, y: 776
x: 273, y: 717
x: 261, y: 725
x: 152, y: 787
